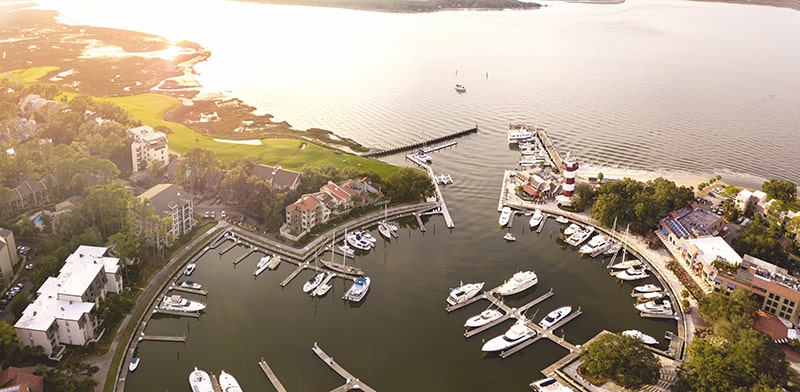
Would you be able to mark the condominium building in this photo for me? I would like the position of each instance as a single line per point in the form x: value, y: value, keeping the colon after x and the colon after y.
x: 169, y: 200
x: 148, y: 146
x: 8, y: 255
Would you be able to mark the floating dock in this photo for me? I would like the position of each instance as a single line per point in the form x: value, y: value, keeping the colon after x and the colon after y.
x: 271, y: 376
x: 160, y: 338
x: 177, y: 313
x: 188, y: 290
x: 244, y: 256
x: 351, y: 381
x: 414, y: 146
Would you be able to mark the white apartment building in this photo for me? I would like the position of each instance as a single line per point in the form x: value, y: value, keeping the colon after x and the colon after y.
x: 65, y: 309
x: 148, y: 146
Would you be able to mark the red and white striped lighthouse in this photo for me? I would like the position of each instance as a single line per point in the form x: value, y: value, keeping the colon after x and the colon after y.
x: 569, y: 167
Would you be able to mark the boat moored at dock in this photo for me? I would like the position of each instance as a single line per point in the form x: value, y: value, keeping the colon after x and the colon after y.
x: 179, y: 304
x: 598, y: 243
x: 505, y: 216
x: 549, y: 384
x: 262, y: 265
x: 228, y: 383
x: 509, y: 237
x: 571, y: 229
x: 189, y: 269
x: 313, y: 283
x: 647, y: 288
x: 579, y: 236
x: 518, y: 133
x: 188, y: 284
x: 640, y: 336
x: 358, y: 290
x: 464, y: 292
x: 199, y: 381
x: 485, y: 317
x: 536, y: 218
x: 659, y: 306
x: 555, y: 316
x: 518, y: 333
x: 134, y: 364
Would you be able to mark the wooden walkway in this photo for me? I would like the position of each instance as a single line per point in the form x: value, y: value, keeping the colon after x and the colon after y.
x: 351, y: 381
x: 541, y: 133
x: 271, y: 376
x: 244, y: 256
x: 188, y: 290
x: 160, y: 338
x: 413, y: 146
x: 177, y: 313
x: 508, y: 312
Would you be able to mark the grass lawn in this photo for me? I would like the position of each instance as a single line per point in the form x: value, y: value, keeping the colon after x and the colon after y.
x: 30, y: 75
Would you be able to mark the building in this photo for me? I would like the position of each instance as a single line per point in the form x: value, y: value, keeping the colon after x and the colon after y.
x: 751, y: 201
x: 169, y: 200
x: 691, y: 222
x: 277, y: 176
x: 148, y: 146
x: 701, y: 255
x: 65, y: 309
x: 30, y: 194
x: 8, y: 256
x: 570, y: 168
x: 16, y: 379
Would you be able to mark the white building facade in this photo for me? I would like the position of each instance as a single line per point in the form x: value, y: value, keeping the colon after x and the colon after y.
x: 148, y: 146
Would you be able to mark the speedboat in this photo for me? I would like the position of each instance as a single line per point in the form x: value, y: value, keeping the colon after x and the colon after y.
x: 647, y: 288
x: 347, y: 250
x: 633, y: 273
x: 189, y: 268
x: 641, y: 336
x: 537, y: 218
x: 581, y: 235
x: 518, y: 333
x: 176, y: 303
x: 555, y: 316
x: 461, y: 88
x: 134, y: 364
x: 571, y: 229
x: 385, y: 230
x: 200, y: 381
x: 597, y: 243
x: 486, y: 317
x: 357, y: 241
x: 509, y: 237
x: 658, y: 306
x: 562, y: 219
x: 519, y: 282
x: 505, y: 216
x: 463, y: 292
x: 549, y: 384
x: 188, y: 284
x: 518, y: 133
x: 358, y: 290
x: 228, y: 383
x: 623, y: 265
x: 273, y: 262
x: 262, y: 265
x: 423, y: 156
x: 312, y: 283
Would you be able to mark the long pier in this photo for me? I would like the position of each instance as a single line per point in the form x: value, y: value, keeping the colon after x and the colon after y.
x: 509, y: 313
x: 177, y: 313
x: 351, y: 381
x: 413, y: 146
x: 541, y: 133
x: 271, y: 376
x: 244, y: 256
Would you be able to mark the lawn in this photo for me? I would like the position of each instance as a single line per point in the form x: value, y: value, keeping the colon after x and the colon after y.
x: 30, y: 75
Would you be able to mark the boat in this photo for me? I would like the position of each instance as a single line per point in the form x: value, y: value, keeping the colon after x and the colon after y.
x: 640, y: 336
x: 360, y: 240
x: 537, y: 218
x: 633, y: 273
x: 625, y: 264
x: 509, y: 237
x: 463, y: 292
x: 274, y: 262
x: 313, y: 283
x: 653, y: 295
x: 189, y: 269
x: 444, y: 179
x: 562, y: 219
x: 179, y: 304
x: 571, y: 229
x: 228, y: 383
x: 358, y: 290
x: 347, y: 250
x: 134, y: 364
x: 342, y: 268
x: 200, y: 381
x: 519, y: 282
x: 385, y: 230
x: 581, y: 235
x: 188, y: 284
x: 658, y: 306
x: 325, y: 286
x: 613, y: 248
x: 423, y: 156
x: 485, y: 317
x: 555, y: 316
x: 262, y: 265
x: 549, y: 384
x: 597, y: 243
x: 518, y: 133
x: 647, y: 288
x: 505, y: 216
x: 518, y: 333
x: 461, y: 88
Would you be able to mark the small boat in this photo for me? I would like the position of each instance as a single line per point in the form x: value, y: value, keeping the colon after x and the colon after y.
x: 658, y: 306
x: 313, y: 283
x: 385, y: 230
x: 641, y: 336
x: 228, y: 383
x: 613, y: 248
x: 423, y: 156
x: 188, y: 284
x: 562, y: 219
x: 519, y: 282
x: 189, y: 269
x: 571, y: 229
x: 555, y: 316
x: 633, y: 273
x: 347, y: 250
x: 647, y: 288
x: 134, y: 364
x: 549, y: 384
x: 262, y: 265
x: 653, y: 295
x: 505, y: 216
x: 518, y: 133
x: 623, y: 265
x: 178, y: 304
x: 274, y: 262
x: 518, y: 333
x: 444, y: 179
x: 581, y: 235
x: 537, y: 218
x: 358, y: 290
x: 200, y: 381
x: 463, y: 292
x: 325, y: 286
x: 486, y: 317
x: 461, y: 88
x: 509, y: 237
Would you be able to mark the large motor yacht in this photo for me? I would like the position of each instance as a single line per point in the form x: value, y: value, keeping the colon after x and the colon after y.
x: 178, y: 304
x: 358, y: 290
x: 518, y: 333
x: 518, y: 133
x: 536, y: 218
x: 228, y: 383
x: 505, y: 216
x: 641, y: 336
x: 555, y: 316
x: 464, y: 292
x: 519, y: 282
x: 200, y: 381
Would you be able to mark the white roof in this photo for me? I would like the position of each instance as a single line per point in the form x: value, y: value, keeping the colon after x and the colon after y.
x: 75, y: 278
x: 94, y: 255
x: 716, y: 248
x: 41, y: 314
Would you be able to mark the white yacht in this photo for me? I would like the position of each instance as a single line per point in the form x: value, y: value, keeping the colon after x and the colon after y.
x: 274, y: 262
x: 518, y: 133
x: 485, y: 317
x: 179, y: 304
x: 200, y: 381
x: 562, y: 219
x: 597, y: 243
x: 188, y: 284
x: 647, y: 288
x: 536, y: 218
x: 385, y: 230
x: 356, y: 240
x: 228, y: 383
x: 581, y: 235
x: 189, y: 269
x: 633, y: 273
x: 464, y: 292
x: 625, y: 264
x: 134, y: 364
x: 423, y: 156
x: 262, y: 265
x: 325, y: 286
x: 519, y: 282
x: 358, y: 290
x: 313, y: 283
x: 571, y: 229
x: 461, y: 88
x: 518, y: 333
x: 505, y: 216
x: 555, y: 316
x: 641, y: 336
x: 347, y: 250
x: 509, y: 237
x: 549, y: 384
x: 653, y: 295
x: 614, y: 247
x: 659, y: 306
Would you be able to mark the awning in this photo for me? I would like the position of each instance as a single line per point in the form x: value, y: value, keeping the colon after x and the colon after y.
x: 717, y: 281
x: 731, y: 286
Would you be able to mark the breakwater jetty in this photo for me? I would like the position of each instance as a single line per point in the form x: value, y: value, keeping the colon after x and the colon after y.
x: 417, y: 145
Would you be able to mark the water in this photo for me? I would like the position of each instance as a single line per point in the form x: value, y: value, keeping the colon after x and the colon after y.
x: 652, y: 85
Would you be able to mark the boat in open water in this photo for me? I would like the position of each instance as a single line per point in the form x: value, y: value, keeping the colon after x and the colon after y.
x: 464, y: 292
x: 519, y: 282
x: 509, y: 237
x: 228, y: 383
x: 555, y: 316
x: 461, y: 88
x: 199, y: 381
x: 640, y: 336
x: 518, y: 333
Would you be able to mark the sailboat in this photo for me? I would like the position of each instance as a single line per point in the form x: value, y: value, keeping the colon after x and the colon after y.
x: 342, y: 268
x: 386, y: 230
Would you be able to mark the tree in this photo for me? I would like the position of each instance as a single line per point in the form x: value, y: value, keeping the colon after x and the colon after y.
x: 584, y: 194
x: 739, y: 308
x: 783, y: 190
x: 194, y: 166
x: 18, y: 305
x: 114, y: 308
x: 73, y: 377
x: 407, y: 184
x: 761, y: 239
x: 9, y: 341
x: 622, y: 359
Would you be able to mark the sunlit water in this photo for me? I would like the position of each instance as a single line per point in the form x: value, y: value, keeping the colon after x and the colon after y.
x: 665, y: 86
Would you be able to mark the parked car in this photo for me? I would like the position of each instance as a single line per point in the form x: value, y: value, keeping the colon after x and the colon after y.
x: 222, y: 214
x: 207, y: 214
x: 29, y: 266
